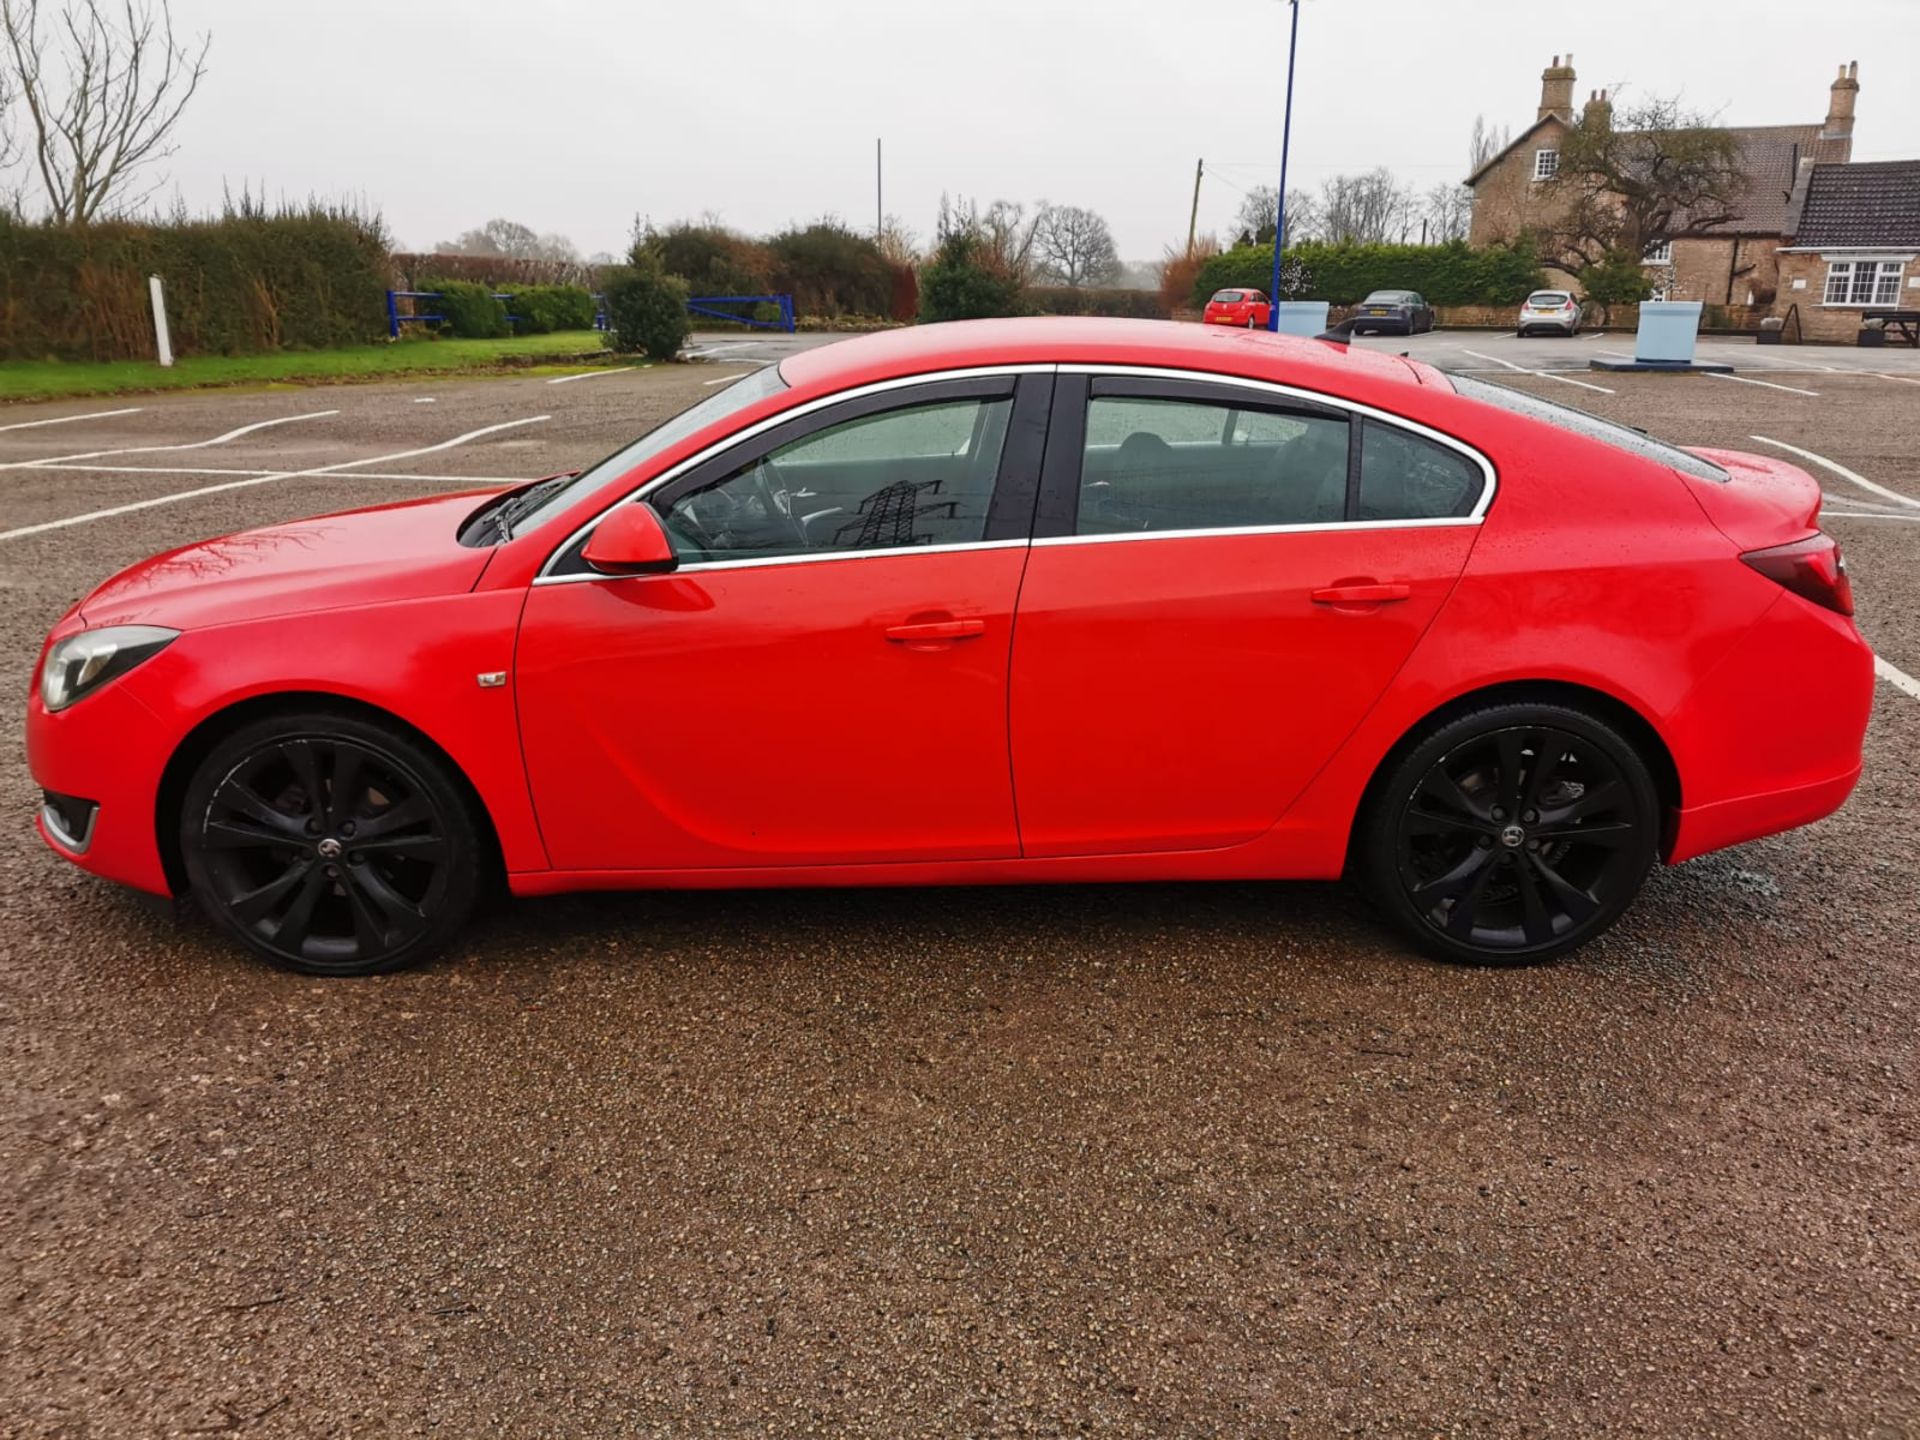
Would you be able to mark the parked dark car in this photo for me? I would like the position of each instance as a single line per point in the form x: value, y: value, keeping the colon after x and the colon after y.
x: 1400, y: 312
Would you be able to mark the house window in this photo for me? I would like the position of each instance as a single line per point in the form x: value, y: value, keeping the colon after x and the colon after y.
x: 1657, y: 292
x: 1546, y: 164
x: 1659, y: 253
x: 1863, y: 282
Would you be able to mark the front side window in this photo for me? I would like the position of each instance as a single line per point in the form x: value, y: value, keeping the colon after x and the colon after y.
x: 1546, y: 164
x: 717, y: 407
x: 922, y: 475
x: 1171, y: 465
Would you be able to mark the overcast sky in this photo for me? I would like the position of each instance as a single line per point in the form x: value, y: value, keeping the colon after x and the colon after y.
x: 576, y: 116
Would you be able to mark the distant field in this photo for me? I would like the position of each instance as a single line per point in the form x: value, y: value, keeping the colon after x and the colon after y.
x: 55, y: 379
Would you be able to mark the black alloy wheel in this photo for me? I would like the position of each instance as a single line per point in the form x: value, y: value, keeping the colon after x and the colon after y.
x: 1514, y: 834
x: 330, y: 845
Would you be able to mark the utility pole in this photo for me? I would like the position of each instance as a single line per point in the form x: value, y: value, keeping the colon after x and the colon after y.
x: 1193, y: 219
x: 1286, y: 143
x: 879, y: 203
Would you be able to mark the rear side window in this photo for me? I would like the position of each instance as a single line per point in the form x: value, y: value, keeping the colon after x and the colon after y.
x: 1168, y: 465
x: 1621, y: 437
x: 1404, y: 476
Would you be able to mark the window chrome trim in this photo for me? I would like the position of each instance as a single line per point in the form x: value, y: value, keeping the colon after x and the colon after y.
x: 545, y: 576
x: 1444, y: 522
x: 750, y: 562
x: 1490, y: 477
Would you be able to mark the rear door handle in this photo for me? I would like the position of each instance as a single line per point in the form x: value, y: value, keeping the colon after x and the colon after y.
x: 1361, y: 594
x: 921, y: 631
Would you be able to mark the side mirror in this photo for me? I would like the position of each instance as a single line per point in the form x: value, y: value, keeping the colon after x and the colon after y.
x: 630, y: 541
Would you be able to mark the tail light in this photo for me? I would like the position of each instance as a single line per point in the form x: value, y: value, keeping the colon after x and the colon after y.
x: 1813, y: 569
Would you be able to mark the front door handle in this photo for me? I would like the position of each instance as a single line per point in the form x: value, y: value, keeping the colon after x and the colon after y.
x: 920, y: 632
x: 1361, y: 594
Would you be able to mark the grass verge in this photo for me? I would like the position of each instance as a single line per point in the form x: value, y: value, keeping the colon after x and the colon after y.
x: 61, y: 379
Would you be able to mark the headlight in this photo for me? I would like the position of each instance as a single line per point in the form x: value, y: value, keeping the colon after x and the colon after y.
x: 84, y: 662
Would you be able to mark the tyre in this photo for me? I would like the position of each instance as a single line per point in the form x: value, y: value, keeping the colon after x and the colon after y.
x: 1512, y: 834
x: 330, y: 844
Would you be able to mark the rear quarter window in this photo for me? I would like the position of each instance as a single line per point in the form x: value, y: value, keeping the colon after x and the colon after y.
x: 1404, y: 476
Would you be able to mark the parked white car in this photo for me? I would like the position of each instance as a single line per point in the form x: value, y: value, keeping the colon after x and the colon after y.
x: 1550, y: 310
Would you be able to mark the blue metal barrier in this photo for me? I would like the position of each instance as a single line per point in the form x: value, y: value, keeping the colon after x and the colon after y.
x: 703, y: 305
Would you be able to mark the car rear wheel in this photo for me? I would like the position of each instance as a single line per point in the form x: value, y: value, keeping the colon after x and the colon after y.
x: 1512, y: 834
x: 331, y: 845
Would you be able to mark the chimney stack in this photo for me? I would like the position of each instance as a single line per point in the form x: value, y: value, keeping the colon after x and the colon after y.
x: 1556, y: 90
x: 1598, y: 114
x: 1846, y: 90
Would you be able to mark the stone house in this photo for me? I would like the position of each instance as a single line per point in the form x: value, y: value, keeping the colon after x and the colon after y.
x: 1731, y: 264
x: 1854, y: 246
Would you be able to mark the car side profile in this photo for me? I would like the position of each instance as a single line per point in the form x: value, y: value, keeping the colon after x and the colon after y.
x: 1244, y: 309
x: 1399, y: 312
x: 1551, y: 312
x: 990, y: 602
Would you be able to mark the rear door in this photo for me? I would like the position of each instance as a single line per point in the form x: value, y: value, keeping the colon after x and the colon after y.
x: 1224, y: 579
x: 822, y: 681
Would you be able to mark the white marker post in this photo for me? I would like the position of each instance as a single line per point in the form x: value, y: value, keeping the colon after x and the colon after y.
x: 164, y: 340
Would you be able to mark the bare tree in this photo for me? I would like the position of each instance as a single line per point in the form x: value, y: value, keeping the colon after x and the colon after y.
x: 1486, y: 142
x: 1254, y: 222
x: 1663, y: 171
x: 1372, y: 208
x: 514, y: 241
x: 1449, y: 212
x: 1002, y: 231
x: 1073, y: 247
x: 102, y: 87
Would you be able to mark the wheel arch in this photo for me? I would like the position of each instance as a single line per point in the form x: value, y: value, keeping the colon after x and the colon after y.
x: 198, y: 743
x: 1640, y: 732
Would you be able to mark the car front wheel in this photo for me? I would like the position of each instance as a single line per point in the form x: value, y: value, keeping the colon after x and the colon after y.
x: 1512, y: 834
x: 330, y: 844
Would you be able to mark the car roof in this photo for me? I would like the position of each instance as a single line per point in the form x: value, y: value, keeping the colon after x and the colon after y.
x: 1071, y: 340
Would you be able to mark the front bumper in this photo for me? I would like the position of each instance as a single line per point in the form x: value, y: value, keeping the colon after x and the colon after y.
x: 110, y: 750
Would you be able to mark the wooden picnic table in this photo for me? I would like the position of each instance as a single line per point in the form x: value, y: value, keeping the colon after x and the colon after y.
x: 1904, y: 323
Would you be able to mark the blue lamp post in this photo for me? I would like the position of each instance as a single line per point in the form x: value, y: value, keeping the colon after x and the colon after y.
x: 1286, y: 141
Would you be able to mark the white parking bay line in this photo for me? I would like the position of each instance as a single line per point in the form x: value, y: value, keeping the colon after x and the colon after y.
x: 724, y: 379
x: 1897, y: 677
x: 1743, y: 380
x: 1838, y: 469
x: 188, y: 445
x: 1903, y: 379
x: 344, y: 475
x: 69, y: 419
x: 1543, y: 374
x: 271, y: 476
x: 590, y: 374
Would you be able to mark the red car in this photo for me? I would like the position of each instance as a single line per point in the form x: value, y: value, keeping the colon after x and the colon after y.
x: 1247, y: 309
x: 1026, y: 600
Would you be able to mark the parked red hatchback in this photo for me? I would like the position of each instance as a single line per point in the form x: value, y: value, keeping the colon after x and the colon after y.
x: 1246, y: 309
x: 1061, y: 600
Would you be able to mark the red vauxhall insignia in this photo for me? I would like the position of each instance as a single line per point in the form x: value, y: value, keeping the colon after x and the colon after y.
x: 1031, y: 600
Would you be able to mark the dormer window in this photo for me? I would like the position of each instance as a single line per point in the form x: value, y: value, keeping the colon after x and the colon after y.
x: 1546, y: 164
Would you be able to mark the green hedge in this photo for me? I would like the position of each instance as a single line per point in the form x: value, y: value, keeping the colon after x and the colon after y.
x: 646, y: 308
x: 1087, y: 300
x: 542, y: 309
x: 466, y: 308
x: 241, y: 283
x: 1449, y: 274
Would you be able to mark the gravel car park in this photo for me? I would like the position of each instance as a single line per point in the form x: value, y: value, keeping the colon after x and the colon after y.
x: 1156, y: 1160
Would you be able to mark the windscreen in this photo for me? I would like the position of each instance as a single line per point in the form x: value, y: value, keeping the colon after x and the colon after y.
x: 1547, y: 299
x: 729, y: 400
x: 1227, y: 297
x: 1621, y: 437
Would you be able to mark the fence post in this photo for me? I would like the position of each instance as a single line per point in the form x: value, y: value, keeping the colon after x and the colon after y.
x: 163, y: 340
x: 393, y: 318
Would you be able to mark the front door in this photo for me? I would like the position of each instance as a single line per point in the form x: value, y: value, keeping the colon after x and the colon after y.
x: 823, y: 680
x: 1224, y: 580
